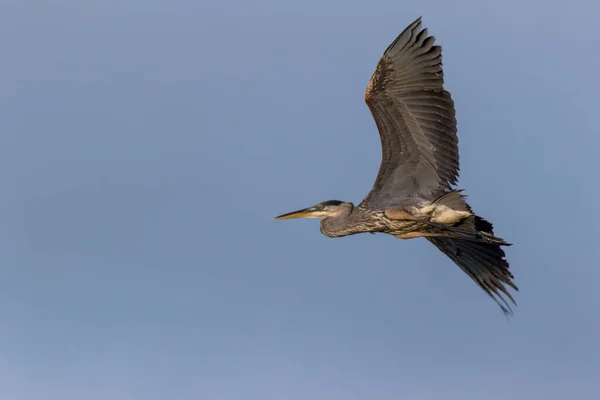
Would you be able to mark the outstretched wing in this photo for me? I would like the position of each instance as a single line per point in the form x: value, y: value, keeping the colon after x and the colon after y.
x: 485, y: 263
x: 416, y: 121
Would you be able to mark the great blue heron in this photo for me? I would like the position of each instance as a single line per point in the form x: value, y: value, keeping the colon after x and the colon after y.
x: 413, y: 194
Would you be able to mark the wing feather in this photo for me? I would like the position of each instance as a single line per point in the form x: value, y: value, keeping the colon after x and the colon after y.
x: 416, y: 120
x: 485, y: 264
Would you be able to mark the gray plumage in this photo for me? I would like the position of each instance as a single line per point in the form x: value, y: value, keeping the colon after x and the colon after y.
x: 413, y: 194
x: 413, y: 114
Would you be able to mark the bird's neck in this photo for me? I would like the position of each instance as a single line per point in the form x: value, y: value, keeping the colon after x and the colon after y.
x: 340, y: 224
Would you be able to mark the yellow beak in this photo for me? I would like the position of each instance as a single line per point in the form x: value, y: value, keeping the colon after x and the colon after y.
x: 304, y: 213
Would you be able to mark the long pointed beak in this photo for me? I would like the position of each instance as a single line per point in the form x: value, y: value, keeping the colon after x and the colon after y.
x: 304, y: 213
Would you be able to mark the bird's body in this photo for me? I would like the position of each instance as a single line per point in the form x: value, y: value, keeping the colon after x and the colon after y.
x: 363, y: 220
x: 413, y: 194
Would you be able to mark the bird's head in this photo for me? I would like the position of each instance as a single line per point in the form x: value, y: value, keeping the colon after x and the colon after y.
x: 325, y: 209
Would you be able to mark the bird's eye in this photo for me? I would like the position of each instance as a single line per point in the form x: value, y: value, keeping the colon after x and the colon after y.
x: 320, y: 207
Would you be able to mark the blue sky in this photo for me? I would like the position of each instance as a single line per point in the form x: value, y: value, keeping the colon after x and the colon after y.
x: 147, y: 146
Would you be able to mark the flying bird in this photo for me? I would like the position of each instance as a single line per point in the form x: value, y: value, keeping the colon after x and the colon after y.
x: 415, y: 194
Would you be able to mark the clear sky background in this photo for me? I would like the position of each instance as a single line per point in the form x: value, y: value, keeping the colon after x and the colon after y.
x: 145, y: 147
